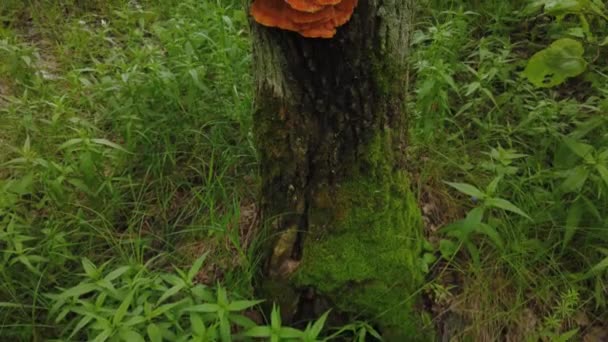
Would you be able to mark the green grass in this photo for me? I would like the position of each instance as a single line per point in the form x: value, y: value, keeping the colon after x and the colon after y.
x: 125, y: 140
x: 126, y: 153
x: 481, y: 123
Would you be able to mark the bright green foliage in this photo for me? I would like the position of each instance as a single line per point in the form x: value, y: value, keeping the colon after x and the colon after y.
x: 562, y: 8
x: 473, y: 222
x: 130, y: 302
x: 123, y: 136
x: 564, y: 58
x: 133, y: 303
x: 552, y: 66
x: 125, y: 148
x: 524, y: 167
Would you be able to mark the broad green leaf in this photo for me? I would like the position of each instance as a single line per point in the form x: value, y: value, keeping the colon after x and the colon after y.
x: 164, y: 308
x: 201, y: 292
x: 243, y: 304
x: 603, y: 171
x: 567, y: 336
x: 131, y: 336
x: 116, y: 273
x: 552, y: 66
x: 70, y: 143
x: 362, y: 335
x: 275, y: 318
x: 577, y: 32
x: 467, y: 189
x: 242, y: 321
x: 198, y: 326
x: 449, y: 80
x: 290, y: 333
x: 89, y: 268
x: 491, y: 188
x: 474, y: 252
x: 222, y: 297
x: 491, y: 233
x: 208, y: 308
x: 100, y: 322
x: 171, y: 292
x: 196, y: 266
x: 576, y: 179
x: 225, y: 333
x: 533, y: 7
x: 374, y: 333
x: 561, y: 8
x: 582, y: 150
x: 317, y: 327
x: 428, y: 258
x: 603, y: 156
x: 463, y: 228
x: 108, y: 143
x: 106, y: 285
x: 103, y: 335
x: 23, y: 186
x: 474, y: 217
x: 259, y: 332
x: 173, y: 279
x: 123, y: 308
x: 447, y: 248
x: 78, y: 290
x: 471, y: 88
x: 135, y: 320
x: 505, y: 205
x: 154, y: 333
x: 81, y: 324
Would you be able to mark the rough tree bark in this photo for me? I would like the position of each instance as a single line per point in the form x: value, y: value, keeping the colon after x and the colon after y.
x: 330, y: 127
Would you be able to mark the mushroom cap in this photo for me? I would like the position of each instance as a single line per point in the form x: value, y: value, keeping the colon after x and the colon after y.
x: 309, y: 6
x: 327, y: 2
x: 310, y: 18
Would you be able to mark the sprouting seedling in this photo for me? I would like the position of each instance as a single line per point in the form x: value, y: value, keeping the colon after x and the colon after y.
x: 274, y: 332
x: 594, y: 162
x: 487, y: 198
x: 473, y: 222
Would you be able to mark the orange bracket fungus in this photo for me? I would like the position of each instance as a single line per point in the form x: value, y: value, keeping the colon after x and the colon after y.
x: 310, y: 18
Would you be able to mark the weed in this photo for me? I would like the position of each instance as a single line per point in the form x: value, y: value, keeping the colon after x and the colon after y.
x: 530, y: 165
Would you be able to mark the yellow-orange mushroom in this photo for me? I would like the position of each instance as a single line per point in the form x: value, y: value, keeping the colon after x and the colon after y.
x: 310, y: 18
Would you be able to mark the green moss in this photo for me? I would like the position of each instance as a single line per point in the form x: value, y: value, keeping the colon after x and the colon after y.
x: 389, y: 75
x: 362, y: 252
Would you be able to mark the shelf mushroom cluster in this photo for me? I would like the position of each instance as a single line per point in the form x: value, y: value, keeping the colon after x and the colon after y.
x: 310, y: 18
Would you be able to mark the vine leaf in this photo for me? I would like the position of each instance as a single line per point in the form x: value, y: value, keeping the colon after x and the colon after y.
x: 552, y: 66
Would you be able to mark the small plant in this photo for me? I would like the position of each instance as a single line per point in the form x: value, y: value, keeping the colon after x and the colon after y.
x: 131, y: 302
x: 134, y: 303
x: 276, y: 332
x: 473, y: 223
x: 564, y: 58
x: 554, y: 324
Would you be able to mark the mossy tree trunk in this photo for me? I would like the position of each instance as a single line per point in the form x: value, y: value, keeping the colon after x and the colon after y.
x: 331, y: 127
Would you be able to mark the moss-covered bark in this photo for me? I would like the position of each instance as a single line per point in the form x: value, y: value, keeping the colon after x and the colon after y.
x: 330, y: 128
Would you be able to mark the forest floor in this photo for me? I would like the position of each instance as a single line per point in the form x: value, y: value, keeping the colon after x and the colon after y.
x: 129, y: 176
